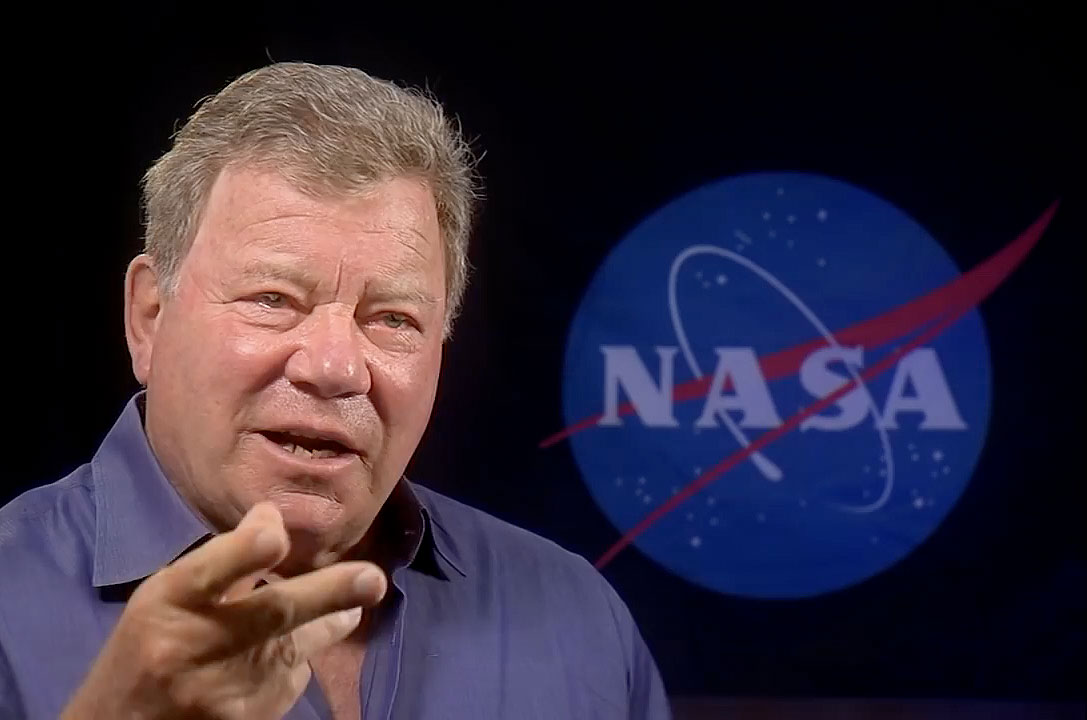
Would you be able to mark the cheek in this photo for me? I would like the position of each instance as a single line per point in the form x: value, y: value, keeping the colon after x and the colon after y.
x: 234, y: 356
x: 403, y: 390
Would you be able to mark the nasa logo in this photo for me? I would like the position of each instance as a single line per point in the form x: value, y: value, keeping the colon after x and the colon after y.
x: 778, y: 385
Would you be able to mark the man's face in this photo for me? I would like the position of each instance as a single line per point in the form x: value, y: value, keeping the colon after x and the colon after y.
x: 298, y: 360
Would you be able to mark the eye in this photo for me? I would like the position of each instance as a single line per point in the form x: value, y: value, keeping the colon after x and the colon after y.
x: 272, y: 300
x: 394, y: 320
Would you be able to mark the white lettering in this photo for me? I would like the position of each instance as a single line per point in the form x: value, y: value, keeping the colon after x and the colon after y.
x: 932, y: 397
x: 820, y: 381
x: 750, y: 394
x: 652, y: 402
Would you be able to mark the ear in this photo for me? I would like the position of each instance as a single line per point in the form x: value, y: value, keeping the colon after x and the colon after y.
x: 143, y: 309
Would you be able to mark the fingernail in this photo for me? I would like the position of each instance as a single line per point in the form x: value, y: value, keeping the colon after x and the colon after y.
x: 366, y: 580
x: 349, y: 618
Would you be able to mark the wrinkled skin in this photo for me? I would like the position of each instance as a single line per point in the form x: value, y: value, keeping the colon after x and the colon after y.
x: 296, y: 322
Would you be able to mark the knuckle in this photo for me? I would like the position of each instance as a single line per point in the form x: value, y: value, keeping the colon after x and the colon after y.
x: 197, y: 578
x: 286, y: 651
x: 159, y: 655
x: 193, y: 578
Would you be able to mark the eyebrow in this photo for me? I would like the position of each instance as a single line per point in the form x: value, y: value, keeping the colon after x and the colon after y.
x: 382, y: 290
x: 260, y: 270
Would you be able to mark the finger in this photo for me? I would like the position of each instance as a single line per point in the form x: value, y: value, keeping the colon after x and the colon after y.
x: 241, y: 588
x: 324, y: 632
x: 257, y: 544
x: 281, y: 607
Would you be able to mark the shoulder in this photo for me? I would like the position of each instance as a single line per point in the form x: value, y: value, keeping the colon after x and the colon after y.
x: 554, y: 597
x: 487, y: 543
x: 48, y: 528
x: 538, y: 571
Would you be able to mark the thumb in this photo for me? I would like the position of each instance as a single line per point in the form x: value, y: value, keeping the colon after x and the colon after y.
x: 324, y: 632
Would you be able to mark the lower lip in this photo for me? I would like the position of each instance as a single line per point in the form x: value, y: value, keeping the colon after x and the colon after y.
x: 311, y: 465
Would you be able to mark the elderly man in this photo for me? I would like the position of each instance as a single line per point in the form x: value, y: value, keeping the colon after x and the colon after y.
x: 244, y: 543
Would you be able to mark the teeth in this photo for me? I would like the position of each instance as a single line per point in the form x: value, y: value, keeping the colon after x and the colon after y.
x: 303, y: 452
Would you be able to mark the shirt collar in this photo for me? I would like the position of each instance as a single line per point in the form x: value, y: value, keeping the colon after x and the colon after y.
x: 430, y: 538
x: 143, y: 524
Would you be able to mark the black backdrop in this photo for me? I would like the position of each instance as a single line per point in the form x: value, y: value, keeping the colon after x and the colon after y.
x: 969, y: 119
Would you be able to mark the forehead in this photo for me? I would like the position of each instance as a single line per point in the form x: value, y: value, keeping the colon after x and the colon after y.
x: 259, y: 213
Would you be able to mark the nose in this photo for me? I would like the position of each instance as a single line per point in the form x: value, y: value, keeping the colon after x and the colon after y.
x: 330, y: 359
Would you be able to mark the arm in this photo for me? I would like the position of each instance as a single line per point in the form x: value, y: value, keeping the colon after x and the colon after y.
x: 11, y: 705
x: 646, y: 695
x: 648, y: 700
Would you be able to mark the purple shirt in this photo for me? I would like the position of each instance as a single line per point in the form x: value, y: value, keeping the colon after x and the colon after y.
x: 483, y: 620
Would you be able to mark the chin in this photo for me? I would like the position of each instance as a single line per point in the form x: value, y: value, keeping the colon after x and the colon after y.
x: 310, y: 520
x: 304, y: 558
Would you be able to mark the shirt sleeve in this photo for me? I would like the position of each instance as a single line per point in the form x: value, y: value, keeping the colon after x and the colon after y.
x: 647, y: 698
x: 11, y: 705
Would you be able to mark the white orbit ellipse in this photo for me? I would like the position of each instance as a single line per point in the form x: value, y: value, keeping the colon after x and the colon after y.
x: 765, y: 466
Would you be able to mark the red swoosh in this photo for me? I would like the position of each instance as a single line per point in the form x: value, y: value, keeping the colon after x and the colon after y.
x: 967, y: 290
x: 944, y: 305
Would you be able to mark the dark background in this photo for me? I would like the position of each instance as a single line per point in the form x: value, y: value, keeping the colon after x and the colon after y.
x: 970, y: 119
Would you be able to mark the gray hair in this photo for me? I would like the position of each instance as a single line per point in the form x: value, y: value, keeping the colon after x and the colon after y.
x: 329, y: 131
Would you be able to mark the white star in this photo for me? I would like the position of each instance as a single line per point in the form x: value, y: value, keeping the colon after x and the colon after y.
x: 937, y: 455
x: 821, y: 215
x: 696, y: 541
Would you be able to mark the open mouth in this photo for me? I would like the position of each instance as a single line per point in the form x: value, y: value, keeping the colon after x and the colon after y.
x: 308, y: 447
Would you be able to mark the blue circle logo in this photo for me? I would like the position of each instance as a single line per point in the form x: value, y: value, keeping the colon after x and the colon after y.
x: 774, y: 387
